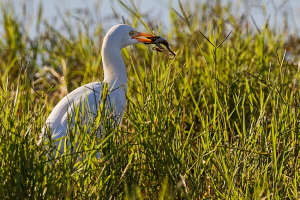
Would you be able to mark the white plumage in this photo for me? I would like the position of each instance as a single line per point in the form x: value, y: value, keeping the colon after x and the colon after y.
x: 89, y: 95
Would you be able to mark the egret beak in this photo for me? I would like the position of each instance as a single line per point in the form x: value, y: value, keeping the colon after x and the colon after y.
x: 144, y: 37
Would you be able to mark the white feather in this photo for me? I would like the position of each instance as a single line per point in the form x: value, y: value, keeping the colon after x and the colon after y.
x: 89, y: 95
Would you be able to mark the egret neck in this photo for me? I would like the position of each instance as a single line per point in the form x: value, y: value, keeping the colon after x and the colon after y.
x: 113, y: 65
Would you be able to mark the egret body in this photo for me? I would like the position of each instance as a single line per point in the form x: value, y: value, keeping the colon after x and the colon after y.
x: 89, y: 95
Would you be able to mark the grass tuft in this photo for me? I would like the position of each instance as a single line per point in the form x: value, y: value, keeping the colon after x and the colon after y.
x: 220, y: 121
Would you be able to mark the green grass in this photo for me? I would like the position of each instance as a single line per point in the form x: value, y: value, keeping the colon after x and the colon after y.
x: 220, y: 121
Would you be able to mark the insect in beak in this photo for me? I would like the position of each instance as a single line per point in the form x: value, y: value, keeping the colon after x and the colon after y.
x: 158, y: 40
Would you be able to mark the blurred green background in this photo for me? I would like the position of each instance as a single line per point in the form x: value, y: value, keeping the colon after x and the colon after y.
x: 220, y: 121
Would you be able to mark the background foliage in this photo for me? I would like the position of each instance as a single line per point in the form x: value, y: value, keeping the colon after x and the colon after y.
x: 220, y: 121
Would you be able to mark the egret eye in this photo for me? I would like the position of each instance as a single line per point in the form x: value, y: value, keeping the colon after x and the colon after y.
x: 131, y: 33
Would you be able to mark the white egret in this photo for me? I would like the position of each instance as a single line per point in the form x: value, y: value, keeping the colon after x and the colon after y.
x: 89, y: 95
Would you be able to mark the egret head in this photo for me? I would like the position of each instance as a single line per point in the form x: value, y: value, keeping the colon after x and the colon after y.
x: 125, y: 35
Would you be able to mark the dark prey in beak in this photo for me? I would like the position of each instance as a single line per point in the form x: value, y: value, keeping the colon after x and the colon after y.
x: 158, y: 40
